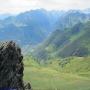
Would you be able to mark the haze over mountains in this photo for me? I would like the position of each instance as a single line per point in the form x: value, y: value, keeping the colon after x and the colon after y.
x: 74, y: 41
x: 54, y: 37
x: 33, y: 27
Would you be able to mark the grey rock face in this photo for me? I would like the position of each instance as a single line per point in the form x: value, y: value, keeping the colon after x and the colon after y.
x: 11, y: 66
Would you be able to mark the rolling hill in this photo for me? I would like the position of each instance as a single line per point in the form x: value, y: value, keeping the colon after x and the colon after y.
x: 68, y: 74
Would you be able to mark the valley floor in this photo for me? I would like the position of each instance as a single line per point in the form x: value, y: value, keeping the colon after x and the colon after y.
x: 44, y: 78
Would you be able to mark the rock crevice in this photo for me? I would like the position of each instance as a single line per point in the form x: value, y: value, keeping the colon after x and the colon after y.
x: 11, y: 66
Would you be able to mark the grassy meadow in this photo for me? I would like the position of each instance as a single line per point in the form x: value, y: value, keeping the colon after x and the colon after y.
x: 74, y: 75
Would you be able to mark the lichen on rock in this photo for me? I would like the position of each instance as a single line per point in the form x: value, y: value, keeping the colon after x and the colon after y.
x: 11, y: 66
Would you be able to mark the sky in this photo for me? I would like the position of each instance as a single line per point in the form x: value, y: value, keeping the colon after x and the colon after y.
x: 17, y: 6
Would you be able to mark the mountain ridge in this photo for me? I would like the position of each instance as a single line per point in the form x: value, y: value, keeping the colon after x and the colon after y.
x: 73, y: 42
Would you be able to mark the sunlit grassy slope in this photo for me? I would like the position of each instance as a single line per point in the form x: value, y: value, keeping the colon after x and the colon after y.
x: 75, y: 75
x: 74, y: 41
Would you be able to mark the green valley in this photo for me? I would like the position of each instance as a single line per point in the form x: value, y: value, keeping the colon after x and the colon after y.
x: 55, y: 45
x: 58, y: 75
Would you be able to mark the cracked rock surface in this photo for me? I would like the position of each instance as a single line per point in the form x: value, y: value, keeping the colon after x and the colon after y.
x: 11, y: 67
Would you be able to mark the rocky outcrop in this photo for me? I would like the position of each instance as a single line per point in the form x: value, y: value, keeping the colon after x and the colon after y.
x: 11, y: 67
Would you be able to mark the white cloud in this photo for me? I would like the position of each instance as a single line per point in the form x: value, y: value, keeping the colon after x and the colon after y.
x: 15, y: 6
x: 64, y: 4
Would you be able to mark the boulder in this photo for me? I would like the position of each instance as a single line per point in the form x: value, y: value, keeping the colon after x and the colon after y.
x: 11, y: 66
